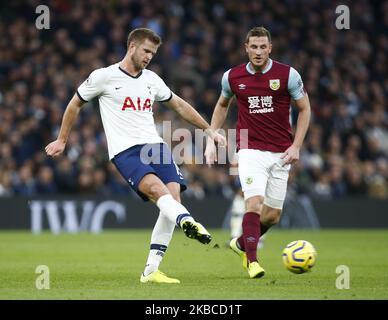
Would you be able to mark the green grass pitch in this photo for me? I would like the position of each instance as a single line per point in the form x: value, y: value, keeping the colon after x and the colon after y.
x: 108, y: 266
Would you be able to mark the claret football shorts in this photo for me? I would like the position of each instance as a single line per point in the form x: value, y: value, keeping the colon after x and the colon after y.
x: 137, y: 161
x: 262, y: 173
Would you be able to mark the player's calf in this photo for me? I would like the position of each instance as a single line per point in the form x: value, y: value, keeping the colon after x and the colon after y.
x: 270, y: 217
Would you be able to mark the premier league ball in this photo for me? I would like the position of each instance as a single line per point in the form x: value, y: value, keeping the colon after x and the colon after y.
x: 299, y: 256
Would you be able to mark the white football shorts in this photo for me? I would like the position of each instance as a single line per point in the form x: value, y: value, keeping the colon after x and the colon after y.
x: 262, y: 173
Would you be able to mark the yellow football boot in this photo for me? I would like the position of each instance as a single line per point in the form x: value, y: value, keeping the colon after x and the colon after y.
x: 195, y: 230
x: 233, y: 245
x: 157, y: 277
x: 255, y: 270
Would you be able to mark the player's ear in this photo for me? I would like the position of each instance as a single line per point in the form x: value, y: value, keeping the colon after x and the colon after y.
x: 270, y: 47
x: 132, y: 46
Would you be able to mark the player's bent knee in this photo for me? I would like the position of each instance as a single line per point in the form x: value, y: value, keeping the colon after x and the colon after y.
x: 153, y: 188
x: 156, y: 190
x: 273, y: 203
x: 270, y: 216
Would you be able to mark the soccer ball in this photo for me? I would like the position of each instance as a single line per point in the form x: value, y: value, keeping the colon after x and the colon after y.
x: 299, y: 256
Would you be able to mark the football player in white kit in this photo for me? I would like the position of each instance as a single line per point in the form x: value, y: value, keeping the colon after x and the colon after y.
x: 126, y: 92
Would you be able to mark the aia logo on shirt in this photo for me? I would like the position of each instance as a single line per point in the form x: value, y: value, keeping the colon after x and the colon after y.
x: 140, y: 105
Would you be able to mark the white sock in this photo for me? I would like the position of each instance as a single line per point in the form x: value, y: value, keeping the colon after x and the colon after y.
x: 160, y: 239
x: 173, y: 210
x: 235, y: 225
x: 237, y: 214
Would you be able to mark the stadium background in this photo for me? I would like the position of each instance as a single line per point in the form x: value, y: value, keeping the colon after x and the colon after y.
x: 340, y: 181
x: 345, y: 155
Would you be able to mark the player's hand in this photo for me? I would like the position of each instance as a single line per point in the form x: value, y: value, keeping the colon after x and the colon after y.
x: 216, y: 137
x: 210, y: 152
x: 55, y: 148
x: 220, y: 139
x: 291, y: 155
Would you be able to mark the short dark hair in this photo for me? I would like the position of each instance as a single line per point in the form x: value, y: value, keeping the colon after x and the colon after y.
x: 140, y: 34
x: 258, y: 32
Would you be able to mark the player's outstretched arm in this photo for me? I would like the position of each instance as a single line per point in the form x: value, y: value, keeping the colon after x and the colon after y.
x: 291, y: 155
x: 56, y: 147
x: 187, y: 112
x: 218, y: 119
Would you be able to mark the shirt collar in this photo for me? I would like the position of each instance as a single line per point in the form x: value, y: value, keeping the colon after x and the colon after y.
x: 252, y: 71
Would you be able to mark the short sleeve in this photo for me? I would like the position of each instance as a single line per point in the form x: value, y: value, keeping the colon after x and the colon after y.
x: 93, y: 86
x: 295, y: 85
x: 164, y: 93
x: 226, y: 91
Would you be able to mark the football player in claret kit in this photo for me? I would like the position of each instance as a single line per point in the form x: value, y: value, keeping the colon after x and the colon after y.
x: 126, y: 92
x: 263, y: 89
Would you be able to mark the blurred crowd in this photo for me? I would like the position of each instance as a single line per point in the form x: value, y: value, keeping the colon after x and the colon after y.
x: 344, y: 72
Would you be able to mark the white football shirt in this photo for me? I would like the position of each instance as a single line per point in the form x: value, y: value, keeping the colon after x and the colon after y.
x: 125, y: 105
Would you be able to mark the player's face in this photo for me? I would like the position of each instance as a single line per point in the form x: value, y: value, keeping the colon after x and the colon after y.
x: 258, y: 50
x: 142, y: 54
